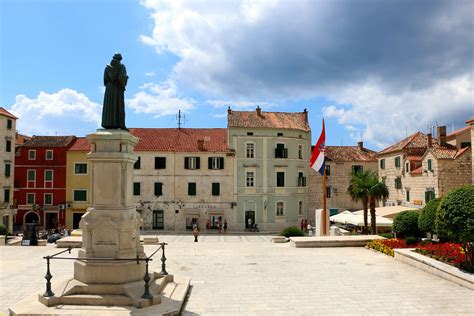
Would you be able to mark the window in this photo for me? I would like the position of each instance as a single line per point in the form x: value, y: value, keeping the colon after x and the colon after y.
x: 250, y: 179
x: 430, y: 166
x: 8, y: 146
x: 429, y: 195
x: 279, y: 134
x: 398, y: 183
x: 7, y: 170
x: 465, y: 144
x: 328, y: 170
x: 300, y: 151
x: 80, y: 195
x: 397, y: 162
x: 48, y: 199
x: 280, y: 179
x: 192, y: 162
x: 136, y: 188
x: 6, y: 195
x: 281, y: 151
x: 280, y: 211
x: 48, y: 178
x: 249, y: 133
x: 31, y: 154
x: 300, y: 208
x: 30, y: 198
x: 192, y: 188
x: 216, y: 189
x: 49, y: 154
x: 80, y: 168
x: 9, y: 124
x: 408, y: 195
x: 158, y: 188
x: 160, y: 163
x: 382, y: 163
x: 301, y: 179
x: 137, y: 164
x: 31, y: 178
x: 215, y: 163
x: 407, y: 167
x: 357, y: 168
x: 328, y: 192
x: 250, y: 150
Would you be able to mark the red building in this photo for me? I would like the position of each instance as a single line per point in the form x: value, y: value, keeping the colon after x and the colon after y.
x: 40, y: 181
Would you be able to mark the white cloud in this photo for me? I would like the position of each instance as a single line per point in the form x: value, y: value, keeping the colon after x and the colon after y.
x: 219, y: 115
x: 150, y: 74
x: 64, y: 112
x: 386, y: 118
x: 239, y: 104
x: 159, y: 99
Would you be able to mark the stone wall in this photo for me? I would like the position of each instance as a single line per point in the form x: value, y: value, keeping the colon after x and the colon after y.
x: 389, y: 174
x: 454, y: 173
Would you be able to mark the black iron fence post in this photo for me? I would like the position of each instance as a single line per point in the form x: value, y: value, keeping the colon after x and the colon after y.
x: 146, y: 278
x: 163, y: 259
x: 48, y: 278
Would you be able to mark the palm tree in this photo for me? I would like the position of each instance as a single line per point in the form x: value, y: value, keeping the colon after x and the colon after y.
x: 358, y: 189
x: 377, y: 191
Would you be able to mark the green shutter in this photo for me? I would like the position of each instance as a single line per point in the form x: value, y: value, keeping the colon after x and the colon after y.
x: 48, y: 176
x: 186, y: 162
x: 192, y: 188
x: 429, y: 165
x: 7, y: 170
x: 136, y: 188
x: 222, y: 162
x: 408, y: 195
x: 80, y: 195
x: 216, y: 189
x: 158, y: 188
x: 6, y: 195
x: 280, y: 179
x: 198, y: 162
x: 137, y: 164
x: 209, y: 163
x: 8, y: 146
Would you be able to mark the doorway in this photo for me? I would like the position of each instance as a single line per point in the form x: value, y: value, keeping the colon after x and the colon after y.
x: 158, y: 221
x: 249, y: 215
x: 215, y: 220
x: 50, y: 220
x: 31, y: 217
x: 76, y: 219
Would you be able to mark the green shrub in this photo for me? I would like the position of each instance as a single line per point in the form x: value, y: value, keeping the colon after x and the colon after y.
x: 405, y: 224
x: 411, y: 241
x: 425, y: 243
x: 386, y: 235
x: 455, y: 220
x: 292, y: 232
x: 3, y: 230
x: 427, y: 219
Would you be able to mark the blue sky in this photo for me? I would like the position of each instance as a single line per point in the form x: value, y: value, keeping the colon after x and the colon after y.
x: 380, y: 69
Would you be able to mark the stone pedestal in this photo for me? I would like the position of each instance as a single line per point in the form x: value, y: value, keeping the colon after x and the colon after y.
x: 111, y: 227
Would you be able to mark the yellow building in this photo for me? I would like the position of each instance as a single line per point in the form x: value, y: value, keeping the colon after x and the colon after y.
x: 78, y: 182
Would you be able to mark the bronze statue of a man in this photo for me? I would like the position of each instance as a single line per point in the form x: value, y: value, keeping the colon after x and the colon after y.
x: 115, y: 80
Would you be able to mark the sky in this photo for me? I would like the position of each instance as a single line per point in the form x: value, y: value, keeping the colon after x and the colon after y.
x: 376, y: 70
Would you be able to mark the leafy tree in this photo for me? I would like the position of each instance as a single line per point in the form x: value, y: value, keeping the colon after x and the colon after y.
x: 405, y: 224
x: 455, y: 218
x: 359, y: 191
x: 377, y: 191
x: 427, y: 219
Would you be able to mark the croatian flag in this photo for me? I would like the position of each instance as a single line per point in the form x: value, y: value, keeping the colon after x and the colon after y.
x: 317, y: 157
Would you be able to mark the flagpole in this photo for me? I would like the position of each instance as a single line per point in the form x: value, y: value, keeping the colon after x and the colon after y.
x: 324, y: 203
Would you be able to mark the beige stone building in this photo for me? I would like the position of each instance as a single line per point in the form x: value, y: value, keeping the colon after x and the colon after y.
x: 341, y: 161
x: 7, y: 158
x: 183, y: 176
x: 464, y: 137
x: 420, y: 168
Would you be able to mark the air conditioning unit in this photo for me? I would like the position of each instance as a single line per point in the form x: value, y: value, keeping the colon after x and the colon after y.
x: 62, y: 206
x: 68, y: 205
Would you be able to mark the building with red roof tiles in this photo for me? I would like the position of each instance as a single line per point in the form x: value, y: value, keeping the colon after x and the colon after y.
x: 40, y: 181
x: 420, y: 167
x: 7, y: 158
x: 341, y: 161
x: 272, y: 151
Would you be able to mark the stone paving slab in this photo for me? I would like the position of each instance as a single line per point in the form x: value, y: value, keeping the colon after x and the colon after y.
x: 262, y: 278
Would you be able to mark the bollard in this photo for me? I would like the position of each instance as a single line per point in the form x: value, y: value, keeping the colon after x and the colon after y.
x: 163, y: 260
x: 146, y: 278
x: 48, y: 278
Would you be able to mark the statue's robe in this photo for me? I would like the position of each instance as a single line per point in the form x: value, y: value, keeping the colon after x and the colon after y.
x: 115, y: 80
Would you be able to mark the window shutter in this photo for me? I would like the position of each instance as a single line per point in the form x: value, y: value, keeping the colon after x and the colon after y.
x: 222, y: 162
x: 157, y: 163
x: 186, y: 162
x: 137, y: 164
x: 209, y: 163
x: 198, y: 162
x: 158, y: 188
x: 216, y: 189
x: 164, y: 162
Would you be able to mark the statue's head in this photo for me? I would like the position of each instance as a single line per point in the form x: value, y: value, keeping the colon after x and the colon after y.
x: 117, y: 56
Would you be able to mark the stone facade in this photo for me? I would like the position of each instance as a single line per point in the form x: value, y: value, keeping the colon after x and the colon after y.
x: 340, y: 162
x: 7, y: 159
x: 272, y: 152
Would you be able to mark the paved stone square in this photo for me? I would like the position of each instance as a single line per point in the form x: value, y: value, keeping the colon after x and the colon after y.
x: 248, y: 275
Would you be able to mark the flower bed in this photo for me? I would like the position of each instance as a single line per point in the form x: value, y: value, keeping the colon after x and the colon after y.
x: 449, y: 253
x: 386, y: 246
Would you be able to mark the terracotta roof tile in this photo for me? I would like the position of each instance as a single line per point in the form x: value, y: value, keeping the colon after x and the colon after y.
x: 447, y: 153
x: 81, y: 144
x: 50, y: 141
x: 180, y: 140
x: 418, y: 170
x: 416, y: 144
x: 7, y: 114
x: 458, y: 131
x: 283, y: 120
x: 350, y: 153
x: 414, y: 158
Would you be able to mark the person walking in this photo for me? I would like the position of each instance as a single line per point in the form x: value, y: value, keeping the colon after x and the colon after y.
x: 305, y: 225
x: 249, y: 222
x: 208, y: 225
x: 225, y: 226
x: 310, y: 229
x: 302, y: 224
x: 195, y: 232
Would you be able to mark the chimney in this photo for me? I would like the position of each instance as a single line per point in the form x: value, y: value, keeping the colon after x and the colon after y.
x: 430, y: 140
x: 229, y: 111
x: 441, y: 133
x: 305, y: 115
x: 360, y: 145
x: 201, y: 144
x: 259, y: 111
